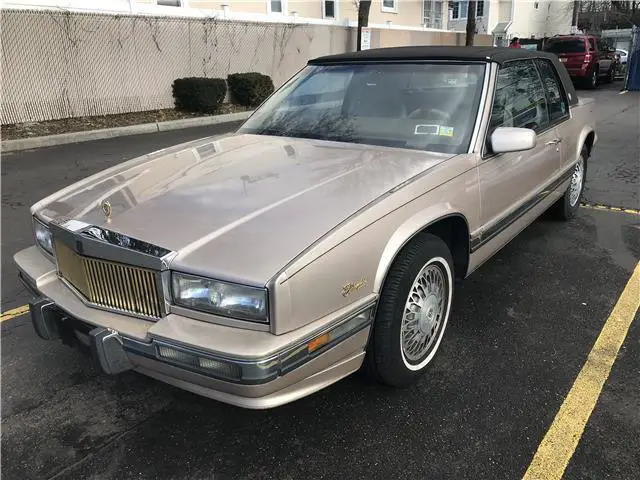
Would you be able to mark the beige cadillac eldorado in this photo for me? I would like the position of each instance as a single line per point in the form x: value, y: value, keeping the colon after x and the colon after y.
x: 324, y: 236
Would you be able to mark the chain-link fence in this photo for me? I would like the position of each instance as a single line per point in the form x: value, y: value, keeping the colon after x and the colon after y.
x: 59, y: 64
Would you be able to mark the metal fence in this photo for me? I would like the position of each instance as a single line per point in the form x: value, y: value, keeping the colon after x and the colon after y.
x: 59, y: 64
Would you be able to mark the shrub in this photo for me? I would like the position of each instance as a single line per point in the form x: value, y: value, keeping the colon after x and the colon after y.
x: 249, y: 89
x: 198, y: 94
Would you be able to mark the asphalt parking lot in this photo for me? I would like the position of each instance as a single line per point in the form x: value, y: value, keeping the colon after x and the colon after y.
x: 521, y: 331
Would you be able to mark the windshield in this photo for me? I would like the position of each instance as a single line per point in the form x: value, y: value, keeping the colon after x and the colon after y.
x: 418, y: 106
x: 565, y: 46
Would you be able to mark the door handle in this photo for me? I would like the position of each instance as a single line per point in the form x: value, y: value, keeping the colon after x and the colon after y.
x: 555, y: 141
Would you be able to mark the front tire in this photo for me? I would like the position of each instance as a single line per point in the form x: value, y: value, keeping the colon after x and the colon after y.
x: 567, y: 207
x: 412, y: 313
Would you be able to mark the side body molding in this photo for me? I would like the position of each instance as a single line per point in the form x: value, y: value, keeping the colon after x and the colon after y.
x: 405, y: 232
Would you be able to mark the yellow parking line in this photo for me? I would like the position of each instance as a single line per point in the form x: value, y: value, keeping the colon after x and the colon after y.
x: 559, y: 444
x: 16, y: 312
x: 596, y: 206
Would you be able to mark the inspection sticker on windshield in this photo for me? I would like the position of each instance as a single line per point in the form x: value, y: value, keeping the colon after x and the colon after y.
x: 445, y: 131
x: 440, y: 130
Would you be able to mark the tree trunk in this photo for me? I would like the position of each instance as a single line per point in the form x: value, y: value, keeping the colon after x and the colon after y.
x: 576, y: 10
x: 471, y: 23
x: 363, y: 19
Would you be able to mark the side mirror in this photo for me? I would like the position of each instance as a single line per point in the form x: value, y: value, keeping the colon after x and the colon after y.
x: 511, y: 139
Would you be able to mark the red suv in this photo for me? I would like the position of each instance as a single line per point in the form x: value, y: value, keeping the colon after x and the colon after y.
x: 587, y: 58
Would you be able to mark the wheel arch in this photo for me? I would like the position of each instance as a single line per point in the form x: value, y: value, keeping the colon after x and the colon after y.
x: 452, y: 228
x: 588, y: 140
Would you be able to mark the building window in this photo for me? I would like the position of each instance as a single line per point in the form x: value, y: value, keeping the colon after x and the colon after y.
x: 169, y: 3
x: 329, y: 8
x: 460, y: 10
x: 432, y: 13
x: 276, y: 6
x: 535, y: 4
x: 390, y: 6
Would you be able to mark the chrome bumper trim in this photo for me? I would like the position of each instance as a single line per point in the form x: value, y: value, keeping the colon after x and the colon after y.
x: 260, y: 370
x: 111, y: 349
x: 107, y: 348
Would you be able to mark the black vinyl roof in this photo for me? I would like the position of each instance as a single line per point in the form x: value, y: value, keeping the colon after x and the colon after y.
x: 499, y: 55
x: 430, y: 52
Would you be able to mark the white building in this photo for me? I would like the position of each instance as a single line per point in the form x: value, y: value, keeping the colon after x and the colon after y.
x: 505, y: 19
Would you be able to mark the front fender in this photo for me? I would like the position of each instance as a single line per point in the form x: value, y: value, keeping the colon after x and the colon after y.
x: 405, y: 232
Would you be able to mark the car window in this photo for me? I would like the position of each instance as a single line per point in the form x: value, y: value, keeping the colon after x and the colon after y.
x: 519, y: 99
x: 557, y: 101
x: 592, y: 44
x: 572, y: 45
x: 407, y: 105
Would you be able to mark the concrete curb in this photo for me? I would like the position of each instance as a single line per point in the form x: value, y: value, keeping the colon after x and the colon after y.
x: 76, y: 137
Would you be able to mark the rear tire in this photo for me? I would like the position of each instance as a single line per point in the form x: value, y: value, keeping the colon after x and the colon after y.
x: 412, y: 312
x: 567, y: 207
x: 611, y: 75
x: 593, y: 80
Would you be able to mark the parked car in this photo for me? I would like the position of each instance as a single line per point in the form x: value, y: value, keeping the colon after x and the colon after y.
x: 325, y: 235
x: 621, y: 62
x: 623, y: 54
x: 587, y: 58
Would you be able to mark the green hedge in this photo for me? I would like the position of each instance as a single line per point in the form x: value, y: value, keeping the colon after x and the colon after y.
x: 198, y: 94
x: 249, y: 89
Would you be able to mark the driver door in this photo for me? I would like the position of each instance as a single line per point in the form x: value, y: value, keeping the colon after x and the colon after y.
x: 510, y: 182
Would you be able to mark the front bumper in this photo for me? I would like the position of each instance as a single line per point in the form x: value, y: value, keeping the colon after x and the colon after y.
x: 286, y: 369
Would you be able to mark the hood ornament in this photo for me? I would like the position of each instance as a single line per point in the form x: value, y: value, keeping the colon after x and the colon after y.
x: 106, y: 209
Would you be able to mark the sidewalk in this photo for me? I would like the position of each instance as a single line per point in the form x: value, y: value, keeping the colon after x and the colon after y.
x: 88, y: 135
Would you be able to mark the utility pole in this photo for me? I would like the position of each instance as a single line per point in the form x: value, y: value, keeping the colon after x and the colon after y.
x: 471, y: 23
x: 363, y: 19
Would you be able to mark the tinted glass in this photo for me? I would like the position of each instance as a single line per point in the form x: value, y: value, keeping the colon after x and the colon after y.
x: 329, y: 10
x: 418, y: 106
x: 276, y: 6
x: 565, y: 46
x: 557, y: 102
x: 519, y: 99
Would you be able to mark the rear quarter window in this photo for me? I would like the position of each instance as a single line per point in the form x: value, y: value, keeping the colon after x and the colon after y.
x: 573, y: 45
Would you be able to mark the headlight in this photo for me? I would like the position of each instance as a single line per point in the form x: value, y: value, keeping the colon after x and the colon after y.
x: 219, y: 298
x: 43, y: 236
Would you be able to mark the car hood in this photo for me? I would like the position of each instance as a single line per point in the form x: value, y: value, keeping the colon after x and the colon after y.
x: 242, y: 207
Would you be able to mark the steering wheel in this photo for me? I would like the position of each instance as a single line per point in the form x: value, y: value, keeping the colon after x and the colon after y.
x: 429, y: 113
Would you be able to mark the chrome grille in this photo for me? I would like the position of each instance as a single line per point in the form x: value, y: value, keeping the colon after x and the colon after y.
x: 111, y: 285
